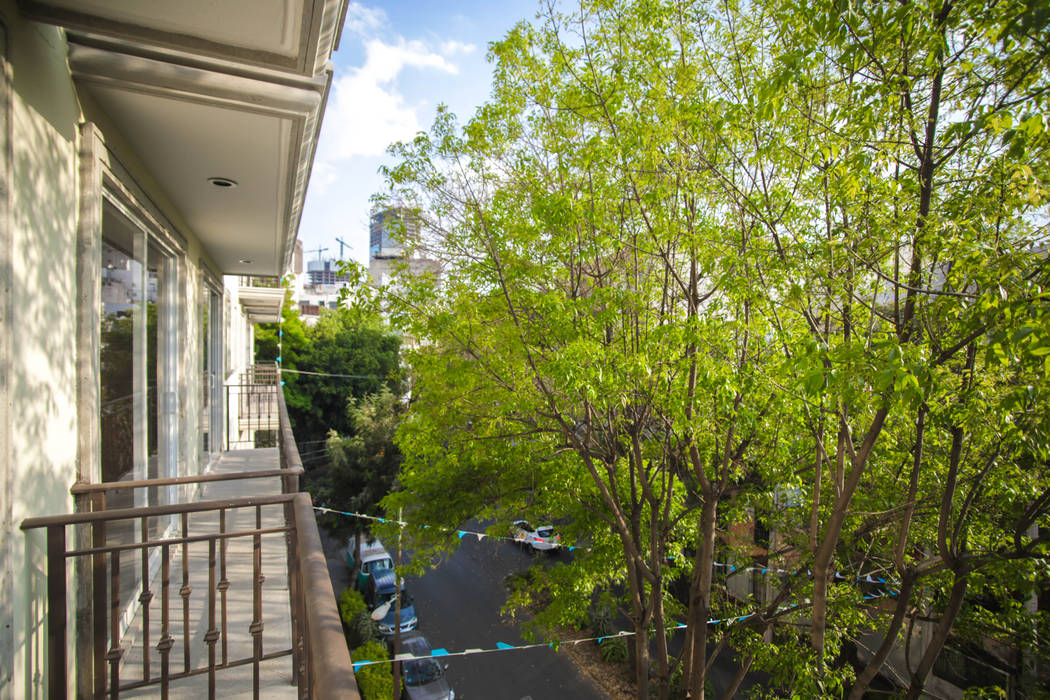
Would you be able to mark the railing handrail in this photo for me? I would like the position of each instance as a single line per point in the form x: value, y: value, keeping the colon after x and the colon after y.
x: 331, y: 670
x: 327, y: 670
x: 82, y: 487
x: 322, y: 667
x: 153, y: 511
x: 264, y: 369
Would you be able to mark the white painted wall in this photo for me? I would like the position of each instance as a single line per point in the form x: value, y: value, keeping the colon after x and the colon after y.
x: 42, y: 382
x: 38, y: 450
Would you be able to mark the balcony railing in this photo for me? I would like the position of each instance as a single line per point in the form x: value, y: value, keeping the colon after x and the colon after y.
x: 260, y: 282
x: 158, y: 540
x: 252, y: 412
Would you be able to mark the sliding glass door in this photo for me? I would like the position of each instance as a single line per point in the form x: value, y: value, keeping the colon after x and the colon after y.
x: 138, y: 373
x: 211, y: 373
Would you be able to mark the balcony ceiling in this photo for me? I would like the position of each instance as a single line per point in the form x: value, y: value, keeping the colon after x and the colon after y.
x: 261, y: 304
x: 201, y: 90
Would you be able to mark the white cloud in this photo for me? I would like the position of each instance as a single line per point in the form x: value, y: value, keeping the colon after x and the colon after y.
x: 366, y: 111
x: 451, y: 48
x: 363, y: 20
x: 322, y: 175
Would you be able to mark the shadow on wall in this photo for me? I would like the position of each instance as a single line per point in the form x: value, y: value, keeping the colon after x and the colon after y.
x: 34, y: 643
x: 42, y: 384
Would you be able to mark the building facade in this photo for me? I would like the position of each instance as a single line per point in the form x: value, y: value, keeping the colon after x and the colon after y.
x: 153, y: 160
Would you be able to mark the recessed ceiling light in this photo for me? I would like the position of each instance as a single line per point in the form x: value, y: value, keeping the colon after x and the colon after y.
x: 245, y: 261
x: 222, y: 182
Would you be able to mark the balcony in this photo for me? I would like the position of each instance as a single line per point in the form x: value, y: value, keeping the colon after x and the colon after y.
x: 236, y: 598
x: 253, y: 413
x: 262, y: 298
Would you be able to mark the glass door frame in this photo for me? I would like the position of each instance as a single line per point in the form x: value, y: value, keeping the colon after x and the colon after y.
x: 211, y: 366
x: 104, y: 184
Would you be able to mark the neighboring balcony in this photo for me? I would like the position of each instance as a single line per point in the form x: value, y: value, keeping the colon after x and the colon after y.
x: 236, y: 599
x: 253, y: 413
x: 261, y: 298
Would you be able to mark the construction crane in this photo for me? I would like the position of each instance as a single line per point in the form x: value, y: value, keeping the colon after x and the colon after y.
x: 341, y: 243
x: 318, y: 251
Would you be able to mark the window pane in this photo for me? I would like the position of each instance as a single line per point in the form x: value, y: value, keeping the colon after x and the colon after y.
x: 162, y: 411
x: 121, y: 302
x: 122, y: 395
x: 205, y: 378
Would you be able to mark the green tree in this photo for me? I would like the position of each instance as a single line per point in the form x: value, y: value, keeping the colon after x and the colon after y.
x: 588, y: 353
x: 349, y: 353
x: 364, y: 462
x: 347, y: 356
x: 700, y: 255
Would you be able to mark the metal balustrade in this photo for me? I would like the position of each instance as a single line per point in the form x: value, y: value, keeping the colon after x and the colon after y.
x: 165, y: 542
x: 252, y: 411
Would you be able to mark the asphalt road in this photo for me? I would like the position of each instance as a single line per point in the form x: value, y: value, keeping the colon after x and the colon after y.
x: 458, y: 605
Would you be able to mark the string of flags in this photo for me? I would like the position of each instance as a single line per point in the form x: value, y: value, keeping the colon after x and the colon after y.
x: 502, y: 646
x: 459, y: 533
x: 838, y: 575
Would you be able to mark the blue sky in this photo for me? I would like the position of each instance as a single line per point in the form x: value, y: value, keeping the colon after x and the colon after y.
x: 397, y: 61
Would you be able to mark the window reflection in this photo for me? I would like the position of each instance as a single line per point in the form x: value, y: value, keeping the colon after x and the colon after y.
x: 121, y: 304
x: 138, y: 417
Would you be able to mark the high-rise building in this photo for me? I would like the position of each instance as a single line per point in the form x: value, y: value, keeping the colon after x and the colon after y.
x: 388, y: 231
x: 321, y: 272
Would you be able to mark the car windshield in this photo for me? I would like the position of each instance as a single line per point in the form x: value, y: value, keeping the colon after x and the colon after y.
x: 422, y: 672
x: 377, y: 565
x: 406, y: 599
x: 545, y: 532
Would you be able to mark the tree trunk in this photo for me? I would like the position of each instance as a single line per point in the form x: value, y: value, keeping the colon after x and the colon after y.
x: 889, y: 641
x: 700, y: 600
x: 826, y: 552
x: 641, y: 660
x: 659, y: 625
x: 940, y: 636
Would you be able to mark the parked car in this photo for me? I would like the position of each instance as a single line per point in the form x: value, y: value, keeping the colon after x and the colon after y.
x: 540, y: 538
x: 374, y: 557
x: 380, y: 590
x: 424, y: 678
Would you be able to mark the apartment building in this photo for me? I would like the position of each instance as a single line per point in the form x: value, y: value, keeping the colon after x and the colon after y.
x: 154, y: 158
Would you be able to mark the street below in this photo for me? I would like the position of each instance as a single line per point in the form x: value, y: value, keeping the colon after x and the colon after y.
x: 458, y: 604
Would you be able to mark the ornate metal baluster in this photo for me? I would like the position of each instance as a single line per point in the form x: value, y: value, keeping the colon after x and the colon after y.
x: 185, y: 593
x: 166, y: 640
x: 212, y: 635
x: 145, y: 598
x: 115, y: 652
x: 224, y: 585
x: 257, y: 623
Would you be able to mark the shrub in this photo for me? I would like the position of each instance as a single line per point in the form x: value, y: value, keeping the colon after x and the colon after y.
x: 375, y: 681
x: 351, y: 603
x: 358, y: 623
x: 613, y: 650
x: 601, y: 620
x: 363, y: 629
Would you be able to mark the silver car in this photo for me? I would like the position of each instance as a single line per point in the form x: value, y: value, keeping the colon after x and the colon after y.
x: 424, y: 678
x: 539, y: 538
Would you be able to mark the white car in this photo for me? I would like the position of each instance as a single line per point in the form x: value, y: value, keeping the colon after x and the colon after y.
x: 373, y: 558
x: 540, y: 538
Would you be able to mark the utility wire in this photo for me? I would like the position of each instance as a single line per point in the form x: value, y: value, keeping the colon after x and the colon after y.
x: 329, y: 374
x: 500, y: 646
